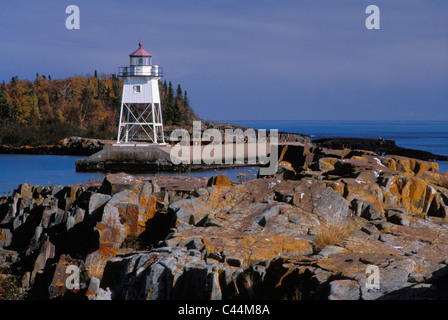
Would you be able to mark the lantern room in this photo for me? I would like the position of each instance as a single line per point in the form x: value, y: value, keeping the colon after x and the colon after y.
x: 140, y: 65
x: 140, y: 57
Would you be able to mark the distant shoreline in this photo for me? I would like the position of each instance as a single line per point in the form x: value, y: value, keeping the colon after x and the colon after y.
x: 73, y: 146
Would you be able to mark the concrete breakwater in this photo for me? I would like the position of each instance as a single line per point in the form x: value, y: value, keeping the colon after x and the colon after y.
x: 153, y: 158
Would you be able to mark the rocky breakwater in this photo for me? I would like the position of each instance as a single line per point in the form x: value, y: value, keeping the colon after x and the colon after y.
x: 379, y: 146
x: 312, y: 231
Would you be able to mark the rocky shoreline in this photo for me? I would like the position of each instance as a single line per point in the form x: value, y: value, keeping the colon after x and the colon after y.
x: 312, y: 232
x: 379, y: 146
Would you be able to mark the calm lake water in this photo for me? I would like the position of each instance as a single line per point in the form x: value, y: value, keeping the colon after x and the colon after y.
x: 60, y: 170
x: 47, y: 170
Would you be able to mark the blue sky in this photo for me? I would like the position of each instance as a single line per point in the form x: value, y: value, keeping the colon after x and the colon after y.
x: 250, y: 59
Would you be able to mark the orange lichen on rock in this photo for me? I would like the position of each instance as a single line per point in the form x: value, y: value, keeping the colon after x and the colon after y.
x: 252, y: 248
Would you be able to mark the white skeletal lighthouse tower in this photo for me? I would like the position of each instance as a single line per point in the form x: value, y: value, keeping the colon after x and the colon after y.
x: 141, y: 114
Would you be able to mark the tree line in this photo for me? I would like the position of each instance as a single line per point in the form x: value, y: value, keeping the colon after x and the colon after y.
x: 47, y: 110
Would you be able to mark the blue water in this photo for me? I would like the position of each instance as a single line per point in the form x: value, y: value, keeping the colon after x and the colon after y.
x: 429, y: 136
x: 60, y: 170
x: 43, y: 170
x: 48, y: 170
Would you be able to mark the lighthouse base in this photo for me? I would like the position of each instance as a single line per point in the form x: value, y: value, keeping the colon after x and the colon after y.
x: 138, y: 144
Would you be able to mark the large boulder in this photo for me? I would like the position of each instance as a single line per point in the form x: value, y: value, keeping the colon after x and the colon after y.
x: 409, y: 165
x: 316, y: 197
x: 413, y: 194
x: 125, y: 214
x: 164, y: 273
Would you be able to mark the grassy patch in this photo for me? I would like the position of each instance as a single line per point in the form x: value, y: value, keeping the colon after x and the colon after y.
x: 328, y: 234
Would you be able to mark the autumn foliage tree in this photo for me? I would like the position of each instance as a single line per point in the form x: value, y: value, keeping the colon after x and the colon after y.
x: 5, y: 108
x: 46, y: 110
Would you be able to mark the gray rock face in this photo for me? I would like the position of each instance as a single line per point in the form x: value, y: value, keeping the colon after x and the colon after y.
x: 161, y: 274
x: 330, y: 204
x: 344, y: 290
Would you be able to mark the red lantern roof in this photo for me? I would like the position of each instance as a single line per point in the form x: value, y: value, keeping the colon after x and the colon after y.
x: 140, y: 52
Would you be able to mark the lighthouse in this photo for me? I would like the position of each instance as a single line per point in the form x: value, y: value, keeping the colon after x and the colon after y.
x: 141, y: 113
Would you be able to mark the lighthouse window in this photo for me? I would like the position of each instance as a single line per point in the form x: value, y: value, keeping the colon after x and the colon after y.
x: 137, y: 89
x: 140, y: 61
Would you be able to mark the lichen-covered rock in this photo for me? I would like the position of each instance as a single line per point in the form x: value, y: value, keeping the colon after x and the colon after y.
x: 219, y: 180
x: 125, y: 214
x: 196, y: 238
x: 414, y: 194
x: 344, y: 290
x: 327, y: 163
x: 245, y: 249
x: 409, y: 165
x: 435, y: 178
x: 7, y: 259
x: 95, y: 292
x: 5, y: 238
x: 314, y: 196
x: 47, y: 251
x: 117, y: 182
x: 96, y: 201
x: 165, y: 273
x: 69, y: 278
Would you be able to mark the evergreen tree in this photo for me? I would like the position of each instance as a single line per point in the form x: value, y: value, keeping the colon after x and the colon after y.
x: 179, y: 110
x: 168, y: 109
x: 179, y: 95
x: 190, y: 115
